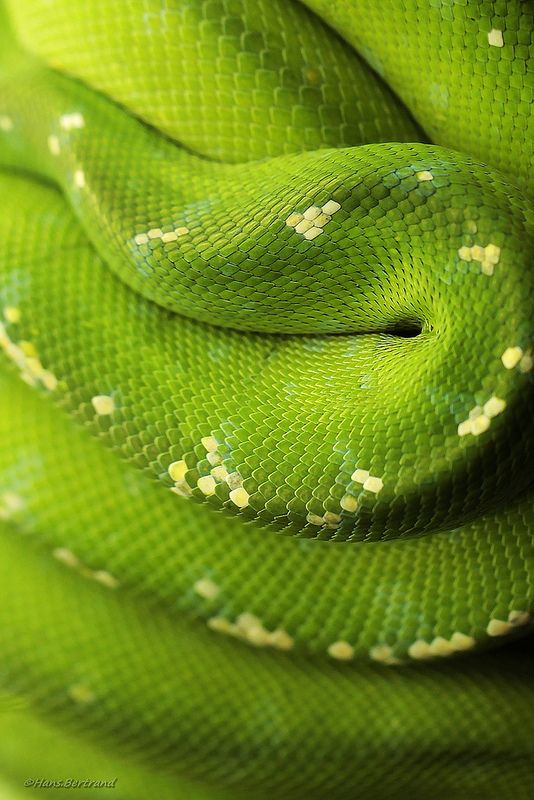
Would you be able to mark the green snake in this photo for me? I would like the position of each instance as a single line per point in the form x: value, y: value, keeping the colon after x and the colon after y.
x: 266, y: 486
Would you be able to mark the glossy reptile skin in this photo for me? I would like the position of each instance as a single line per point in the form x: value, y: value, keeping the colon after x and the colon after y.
x: 266, y: 483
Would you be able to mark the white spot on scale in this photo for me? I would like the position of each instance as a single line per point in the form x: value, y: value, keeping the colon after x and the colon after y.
x: 511, y: 357
x: 81, y: 694
x: 424, y: 175
x: 54, y: 145
x: 480, y: 418
x: 359, y: 475
x: 495, y: 38
x: 240, y: 497
x: 383, y: 654
x: 207, y: 485
x: 177, y: 470
x: 250, y: 628
x: 499, y: 627
x: 348, y: 503
x: 206, y: 588
x: 71, y: 121
x: 312, y: 221
x: 341, y: 650
x: 6, y: 123
x: 66, y: 556
x: 12, y: 314
x: 209, y: 443
x: 487, y: 256
x: 79, y: 178
x: 103, y: 404
x: 10, y: 504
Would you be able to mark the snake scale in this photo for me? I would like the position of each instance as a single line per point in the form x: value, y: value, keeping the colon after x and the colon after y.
x: 266, y: 349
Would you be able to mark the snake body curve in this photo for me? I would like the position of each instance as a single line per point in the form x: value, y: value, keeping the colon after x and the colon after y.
x: 266, y: 483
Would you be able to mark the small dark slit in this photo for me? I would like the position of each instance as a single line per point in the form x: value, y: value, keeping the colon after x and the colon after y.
x: 406, y: 330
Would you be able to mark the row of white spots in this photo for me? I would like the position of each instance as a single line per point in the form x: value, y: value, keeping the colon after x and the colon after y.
x: 439, y: 646
x: 370, y: 482
x: 329, y: 519
x: 6, y: 123
x: 157, y: 233
x: 249, y: 628
x: 312, y: 221
x: 348, y: 502
x: 495, y: 38
x: 10, y: 504
x: 500, y: 627
x: 103, y: 404
x: 487, y: 256
x: 24, y: 355
x: 513, y: 356
x: 480, y: 417
x: 69, y: 559
x: 207, y: 484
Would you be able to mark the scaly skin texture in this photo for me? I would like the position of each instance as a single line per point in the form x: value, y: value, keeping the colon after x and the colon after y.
x: 266, y: 495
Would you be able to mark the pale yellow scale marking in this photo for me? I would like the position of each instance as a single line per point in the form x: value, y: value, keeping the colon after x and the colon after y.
x: 348, y: 503
x: 24, y: 355
x: 53, y: 144
x: 440, y: 647
x: 6, y: 123
x: 206, y: 588
x: 331, y: 520
x: 341, y: 650
x: 488, y: 256
x: 12, y: 314
x: 370, y: 483
x: 105, y: 578
x: 511, y: 357
x: 10, y: 504
x: 240, y: 497
x: 207, y: 485
x: 313, y: 220
x: 177, y: 470
x: 249, y: 628
x: 79, y: 179
x: 103, y: 404
x: 157, y: 233
x: 69, y: 559
x: 383, y: 654
x: 81, y: 694
x: 66, y: 556
x: 424, y: 175
x: 209, y: 443
x: 479, y: 419
x: 71, y: 121
x: 495, y: 38
x: 500, y: 627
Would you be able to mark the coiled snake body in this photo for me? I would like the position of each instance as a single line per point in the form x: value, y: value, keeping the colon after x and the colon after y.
x: 266, y: 482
